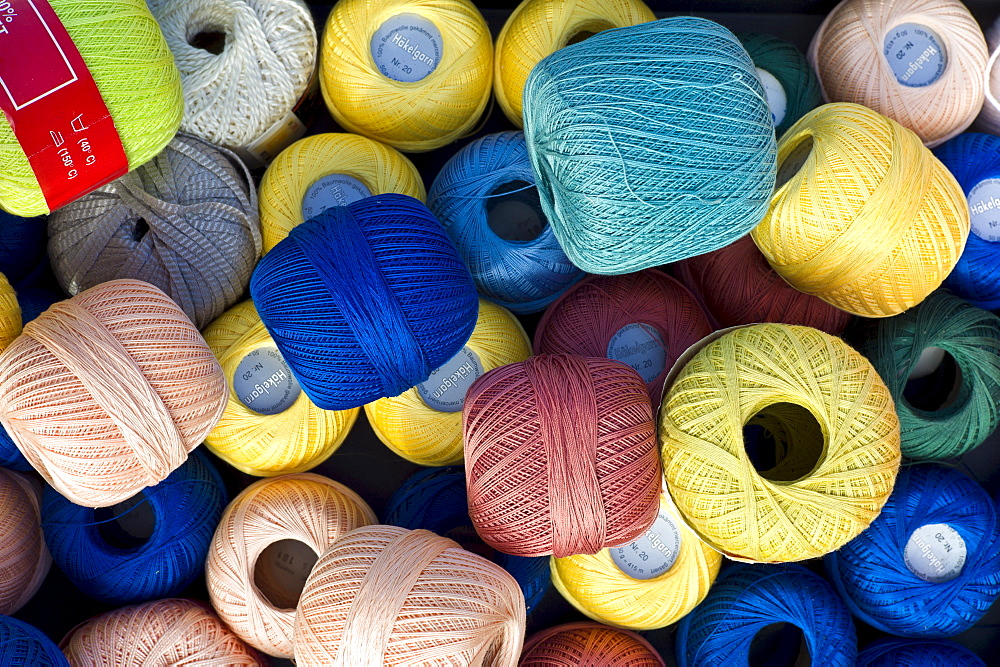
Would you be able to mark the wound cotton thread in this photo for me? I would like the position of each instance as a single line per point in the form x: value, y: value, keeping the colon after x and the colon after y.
x: 24, y: 558
x: 989, y: 117
x: 25, y: 644
x: 588, y: 645
x: 10, y: 314
x: 789, y: 82
x: 890, y: 652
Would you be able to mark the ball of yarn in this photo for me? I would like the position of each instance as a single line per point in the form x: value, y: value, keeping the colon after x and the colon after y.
x: 233, y: 97
x: 974, y: 161
x: 185, y: 222
x: 265, y: 546
x: 365, y: 300
x: 919, y: 62
x: 140, y: 86
x: 23, y: 644
x: 748, y: 598
x: 327, y: 170
x: 107, y: 392
x: 485, y: 198
x: 929, y: 565
x: 538, y: 28
x: 436, y: 500
x: 598, y: 120
x: 24, y: 558
x: 163, y: 632
x: 790, y: 84
x: 588, y: 645
x: 738, y: 286
x: 424, y: 423
x: 645, y: 585
x: 971, y: 337
x: 989, y: 116
x: 645, y: 320
x: 269, y: 426
x: 890, y: 652
x: 864, y: 216
x: 383, y: 595
x: 22, y: 245
x: 415, y: 74
x: 10, y: 314
x: 560, y: 456
x: 834, y: 432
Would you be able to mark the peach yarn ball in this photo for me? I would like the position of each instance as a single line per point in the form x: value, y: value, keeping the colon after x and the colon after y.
x: 24, y: 558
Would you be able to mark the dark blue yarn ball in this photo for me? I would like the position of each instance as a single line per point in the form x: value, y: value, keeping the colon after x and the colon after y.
x: 107, y: 564
x: 917, y: 653
x: 23, y: 644
x: 435, y: 499
x: 22, y: 245
x: 364, y: 301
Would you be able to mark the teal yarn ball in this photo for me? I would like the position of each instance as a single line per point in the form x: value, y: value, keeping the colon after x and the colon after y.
x: 784, y: 64
x: 650, y: 144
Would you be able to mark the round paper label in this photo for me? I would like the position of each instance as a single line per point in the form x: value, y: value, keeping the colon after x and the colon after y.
x: 984, y: 209
x: 332, y: 190
x: 445, y: 389
x: 914, y: 54
x: 264, y: 382
x: 935, y: 552
x: 640, y: 346
x: 407, y: 47
x: 777, y: 101
x: 652, y: 554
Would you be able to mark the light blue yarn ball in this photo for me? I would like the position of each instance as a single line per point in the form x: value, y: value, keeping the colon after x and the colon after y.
x: 650, y: 144
x: 523, y: 276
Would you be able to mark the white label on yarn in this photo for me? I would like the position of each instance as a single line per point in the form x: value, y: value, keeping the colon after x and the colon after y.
x: 777, y: 101
x: 264, y: 383
x: 914, y: 54
x: 330, y: 191
x: 277, y: 138
x: 935, y: 552
x: 652, y: 554
x: 640, y: 346
x: 984, y: 209
x: 135, y: 516
x: 407, y: 47
x: 445, y: 389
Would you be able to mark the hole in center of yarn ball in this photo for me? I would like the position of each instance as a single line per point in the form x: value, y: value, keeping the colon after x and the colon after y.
x: 514, y: 213
x: 784, y: 442
x: 935, y: 381
x: 779, y: 644
x: 281, y: 570
x: 794, y: 162
x: 580, y: 36
x: 140, y: 230
x: 127, y: 525
x: 213, y: 41
x: 469, y: 539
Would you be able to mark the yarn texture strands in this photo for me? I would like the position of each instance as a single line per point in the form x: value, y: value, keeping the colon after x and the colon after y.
x: 588, y: 645
x: 989, y: 117
x: 24, y: 558
x: 25, y: 644
x: 598, y: 120
x: 864, y: 216
x: 909, y: 653
x: 185, y: 221
x: 790, y: 84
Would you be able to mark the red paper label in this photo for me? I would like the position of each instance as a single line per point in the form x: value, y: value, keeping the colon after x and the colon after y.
x: 53, y: 105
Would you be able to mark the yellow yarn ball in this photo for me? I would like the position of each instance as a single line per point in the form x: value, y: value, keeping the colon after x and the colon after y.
x: 10, y: 313
x: 835, y: 433
x: 409, y: 426
x: 601, y: 590
x: 298, y: 436
x: 299, y: 172
x: 863, y: 215
x: 538, y: 28
x: 419, y: 114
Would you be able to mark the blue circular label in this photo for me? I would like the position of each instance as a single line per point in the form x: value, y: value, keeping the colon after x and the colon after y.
x: 407, y: 47
x: 915, y: 55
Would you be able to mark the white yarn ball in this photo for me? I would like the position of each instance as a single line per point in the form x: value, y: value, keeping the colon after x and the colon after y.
x: 989, y: 117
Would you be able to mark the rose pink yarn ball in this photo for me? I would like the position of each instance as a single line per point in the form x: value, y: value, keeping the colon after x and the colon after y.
x: 586, y: 644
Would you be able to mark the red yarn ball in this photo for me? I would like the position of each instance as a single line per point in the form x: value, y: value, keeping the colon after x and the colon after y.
x: 587, y: 644
x: 560, y: 456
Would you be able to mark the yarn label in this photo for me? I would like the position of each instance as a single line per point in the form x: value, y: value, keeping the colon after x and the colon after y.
x: 914, y: 54
x: 935, y: 552
x: 984, y: 209
x: 445, y: 389
x: 264, y: 383
x: 53, y: 105
x: 330, y: 191
x: 640, y: 346
x: 774, y: 92
x: 652, y: 554
x: 284, y: 132
x: 407, y: 47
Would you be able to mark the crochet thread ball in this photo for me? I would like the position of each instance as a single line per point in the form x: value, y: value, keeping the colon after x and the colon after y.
x: 864, y: 216
x: 163, y: 632
x: 424, y: 423
x: 889, y: 652
x: 22, y: 245
x: 560, y: 456
x: 989, y: 117
x: 10, y: 314
x: 107, y: 392
x: 327, y: 170
x: 790, y: 84
x: 269, y: 426
x: 485, y: 197
x: 23, y: 644
x: 415, y: 74
x: 24, y: 558
x: 365, y: 300
x: 265, y: 546
x: 929, y: 565
x: 645, y: 320
x: 186, y: 222
x: 919, y: 62
x: 383, y: 595
x: 538, y: 28
x: 585, y: 644
x: 435, y: 499
x: 598, y: 120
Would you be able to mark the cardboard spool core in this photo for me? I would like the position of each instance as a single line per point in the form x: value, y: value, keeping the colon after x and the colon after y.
x: 281, y: 570
x: 128, y: 524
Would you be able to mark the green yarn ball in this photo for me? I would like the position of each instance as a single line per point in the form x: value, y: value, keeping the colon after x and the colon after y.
x: 789, y: 66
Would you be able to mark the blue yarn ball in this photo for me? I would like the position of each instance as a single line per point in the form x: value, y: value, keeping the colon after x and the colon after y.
x: 23, y: 644
x: 106, y: 564
x: 974, y: 158
x: 22, y: 245
x: 917, y: 653
x: 522, y: 276
x: 747, y: 598
x: 435, y: 499
x: 650, y: 144
x: 364, y: 301
x: 872, y: 575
